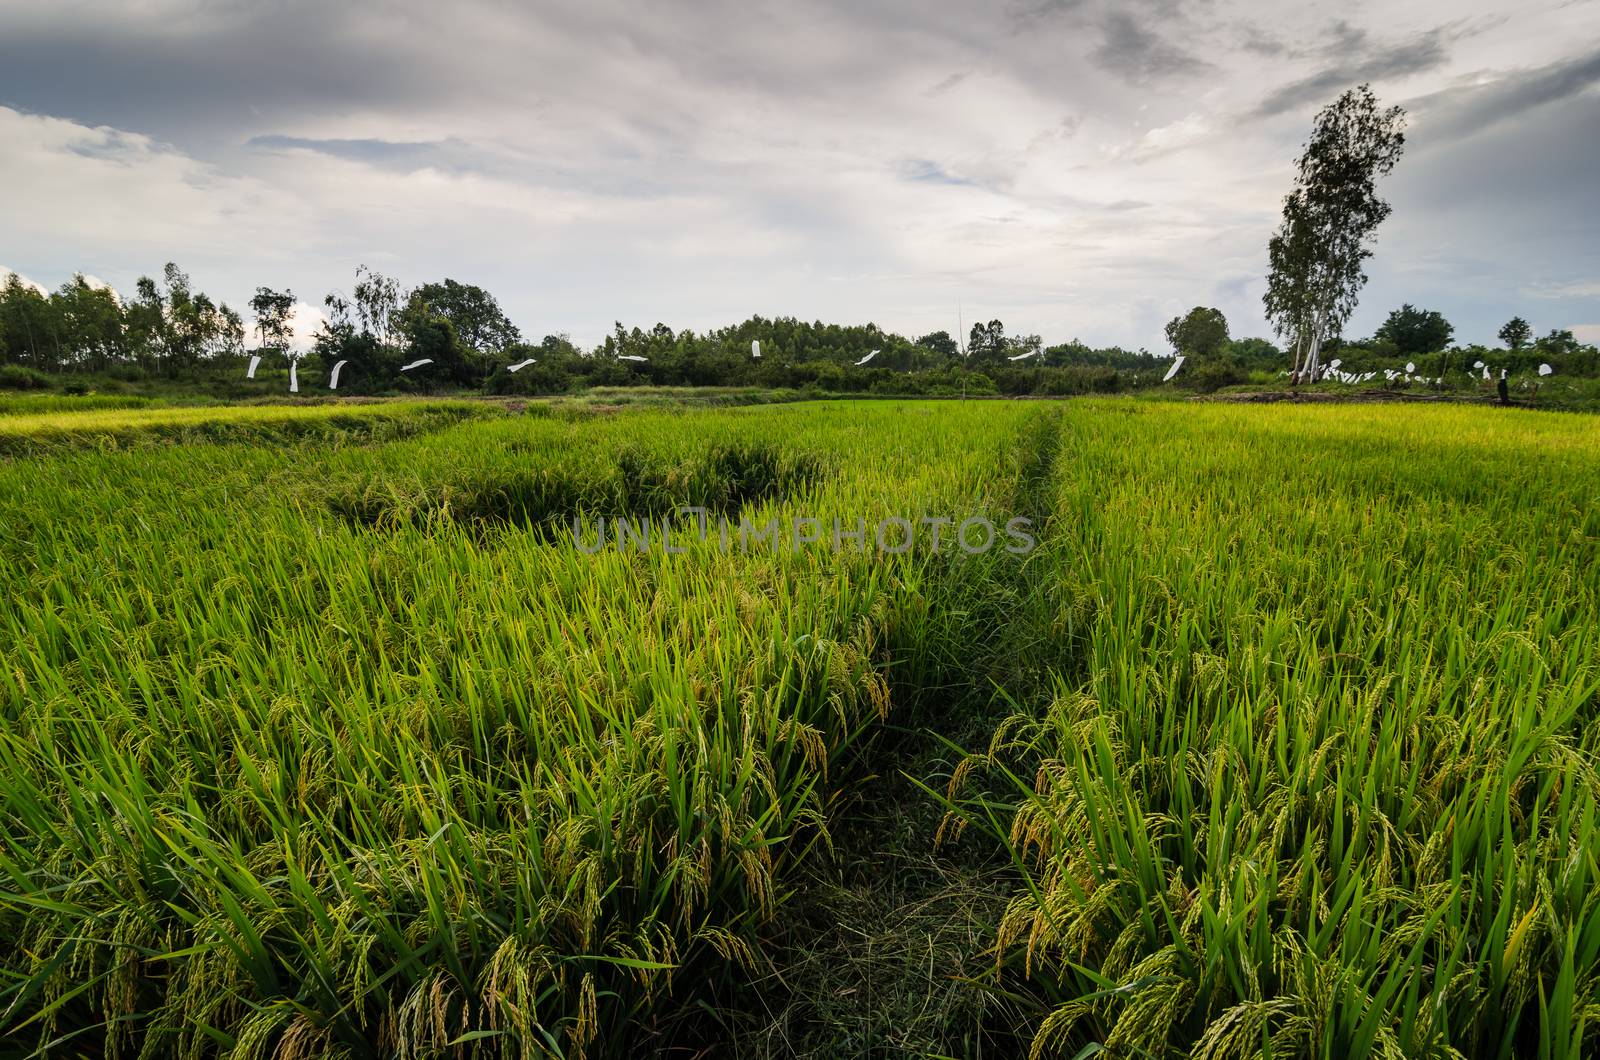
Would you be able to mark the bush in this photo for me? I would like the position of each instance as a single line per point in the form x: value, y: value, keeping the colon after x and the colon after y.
x: 1210, y: 376
x: 21, y: 377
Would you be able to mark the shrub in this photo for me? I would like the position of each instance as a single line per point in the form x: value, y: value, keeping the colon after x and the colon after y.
x: 21, y: 377
x: 1210, y: 376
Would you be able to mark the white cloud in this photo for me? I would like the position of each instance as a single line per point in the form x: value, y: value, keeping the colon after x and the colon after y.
x: 304, y: 323
x: 1072, y: 173
x: 6, y: 274
x: 1574, y: 289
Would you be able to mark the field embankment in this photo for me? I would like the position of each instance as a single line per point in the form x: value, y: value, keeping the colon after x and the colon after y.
x: 114, y: 426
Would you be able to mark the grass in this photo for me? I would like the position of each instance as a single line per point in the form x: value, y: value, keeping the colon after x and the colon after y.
x: 59, y: 428
x: 1318, y: 773
x: 1282, y: 743
x: 29, y: 404
x: 276, y: 777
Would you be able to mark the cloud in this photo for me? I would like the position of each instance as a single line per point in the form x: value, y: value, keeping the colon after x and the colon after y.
x: 1080, y: 167
x: 948, y: 83
x: 1423, y: 52
x: 5, y: 278
x: 921, y: 169
x: 1470, y: 109
x: 1139, y: 54
x: 416, y: 155
x: 110, y: 185
x: 1575, y: 289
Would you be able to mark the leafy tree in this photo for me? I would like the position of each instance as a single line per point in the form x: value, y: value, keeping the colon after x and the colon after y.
x: 428, y: 334
x: 1559, y: 342
x: 1330, y: 218
x: 273, y: 310
x: 1254, y: 351
x: 1203, y: 332
x: 377, y: 302
x: 1414, y: 330
x: 941, y: 345
x: 987, y: 343
x: 1022, y: 345
x: 479, y: 322
x: 1516, y: 333
x: 175, y: 327
x: 26, y: 324
x: 1079, y: 354
x: 91, y: 325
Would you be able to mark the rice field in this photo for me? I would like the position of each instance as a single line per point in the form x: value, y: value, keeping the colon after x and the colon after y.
x: 27, y: 428
x: 334, y: 740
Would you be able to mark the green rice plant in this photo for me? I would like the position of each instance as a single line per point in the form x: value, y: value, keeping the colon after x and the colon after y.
x: 115, y: 427
x: 35, y: 404
x: 354, y: 751
x: 279, y: 782
x: 1317, y: 775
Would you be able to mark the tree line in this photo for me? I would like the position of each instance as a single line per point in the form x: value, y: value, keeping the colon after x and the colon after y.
x: 460, y: 337
x: 170, y: 330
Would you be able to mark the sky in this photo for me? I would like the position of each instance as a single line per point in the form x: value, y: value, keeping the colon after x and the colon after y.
x: 1075, y: 168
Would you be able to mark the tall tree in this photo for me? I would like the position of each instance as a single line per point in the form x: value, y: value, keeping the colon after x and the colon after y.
x: 93, y: 332
x: 1202, y: 331
x: 480, y: 323
x: 377, y: 302
x: 940, y: 348
x: 1414, y: 330
x: 1516, y: 333
x: 1330, y: 219
x: 987, y: 343
x: 176, y: 327
x: 273, y: 310
x: 26, y: 322
x: 1559, y: 341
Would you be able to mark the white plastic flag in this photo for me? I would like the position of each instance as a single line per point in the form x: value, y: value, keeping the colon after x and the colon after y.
x: 755, y: 348
x: 416, y: 364
x: 1545, y: 369
x: 294, y: 377
x: 250, y: 373
x: 333, y: 377
x: 520, y: 365
x: 1177, y: 362
x: 867, y: 358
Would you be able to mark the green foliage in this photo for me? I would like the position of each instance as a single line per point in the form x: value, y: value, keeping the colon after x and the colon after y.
x: 1411, y: 330
x: 1209, y: 376
x: 169, y: 335
x: 1202, y: 332
x: 1330, y: 218
x: 1079, y: 354
x: 21, y: 377
x: 279, y: 779
x: 1317, y: 777
x: 1515, y: 333
x: 337, y: 749
x: 941, y: 345
x: 476, y: 316
x: 273, y: 310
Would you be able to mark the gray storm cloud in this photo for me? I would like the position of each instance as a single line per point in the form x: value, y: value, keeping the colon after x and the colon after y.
x: 1077, y: 168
